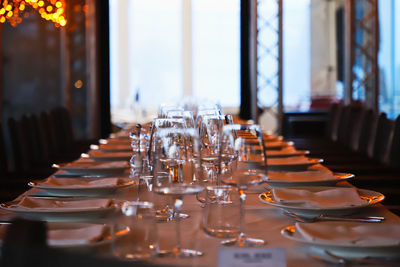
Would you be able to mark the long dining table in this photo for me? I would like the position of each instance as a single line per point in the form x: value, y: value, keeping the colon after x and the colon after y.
x: 262, y: 221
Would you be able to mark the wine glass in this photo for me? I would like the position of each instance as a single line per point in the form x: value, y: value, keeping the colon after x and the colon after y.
x: 249, y: 167
x: 165, y: 213
x: 210, y: 133
x: 164, y: 123
x: 162, y: 112
x: 177, y: 172
x: 180, y: 114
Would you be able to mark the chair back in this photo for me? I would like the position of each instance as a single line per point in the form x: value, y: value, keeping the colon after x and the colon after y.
x: 20, y: 146
x: 383, y: 139
x: 61, y: 119
x: 394, y: 156
x: 333, y: 121
x: 354, y: 122
x: 3, y: 154
x: 367, y: 134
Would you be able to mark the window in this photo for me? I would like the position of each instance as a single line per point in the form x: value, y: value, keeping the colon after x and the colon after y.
x: 162, y: 50
x: 389, y: 58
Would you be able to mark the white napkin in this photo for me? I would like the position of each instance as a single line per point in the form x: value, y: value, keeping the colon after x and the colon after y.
x: 303, y: 176
x: 319, y: 197
x: 276, y: 144
x: 284, y: 151
x: 96, y: 165
x: 114, y: 141
x: 102, y: 154
x: 77, y: 236
x: 80, y: 182
x: 347, y: 233
x: 115, y: 147
x: 39, y: 204
x: 288, y: 161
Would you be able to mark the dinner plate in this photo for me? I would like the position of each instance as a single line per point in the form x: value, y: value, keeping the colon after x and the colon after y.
x: 113, y: 147
x: 90, y: 190
x: 98, y: 155
x: 291, y: 163
x: 94, y: 168
x: 286, y: 153
x: 342, y: 250
x: 370, y: 196
x: 336, y: 177
x: 57, y: 214
x: 276, y: 145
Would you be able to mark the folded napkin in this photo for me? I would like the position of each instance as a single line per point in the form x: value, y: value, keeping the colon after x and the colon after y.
x: 101, y: 154
x: 319, y: 197
x: 78, y: 236
x: 96, y: 165
x: 288, y: 161
x: 115, y: 147
x: 303, y: 176
x: 114, y: 141
x: 276, y: 144
x: 123, y: 134
x: 284, y: 151
x: 39, y: 204
x: 351, y: 233
x: 80, y: 182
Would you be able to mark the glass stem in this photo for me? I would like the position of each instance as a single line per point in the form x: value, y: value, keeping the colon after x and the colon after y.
x: 178, y: 207
x: 242, y: 216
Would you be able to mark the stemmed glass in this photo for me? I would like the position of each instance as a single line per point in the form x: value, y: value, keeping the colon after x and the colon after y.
x: 248, y: 167
x: 163, y: 110
x: 177, y: 172
x: 210, y: 137
x: 165, y: 213
x: 180, y: 114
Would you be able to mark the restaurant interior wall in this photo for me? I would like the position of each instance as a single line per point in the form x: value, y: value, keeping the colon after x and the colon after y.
x: 44, y: 67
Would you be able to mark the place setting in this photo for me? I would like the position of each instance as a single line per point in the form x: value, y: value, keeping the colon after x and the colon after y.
x: 349, y: 242
x: 313, y: 201
x: 78, y: 186
x: 313, y: 176
x: 60, y: 208
x: 88, y: 167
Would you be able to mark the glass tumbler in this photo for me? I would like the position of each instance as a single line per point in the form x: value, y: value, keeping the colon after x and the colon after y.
x: 135, y: 232
x: 221, y: 212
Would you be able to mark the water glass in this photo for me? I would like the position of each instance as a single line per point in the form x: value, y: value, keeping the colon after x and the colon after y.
x: 135, y: 232
x: 221, y: 212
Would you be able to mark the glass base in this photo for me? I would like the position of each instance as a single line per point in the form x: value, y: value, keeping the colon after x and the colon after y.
x: 167, y: 215
x: 244, y: 241
x: 221, y: 232
x: 187, y: 253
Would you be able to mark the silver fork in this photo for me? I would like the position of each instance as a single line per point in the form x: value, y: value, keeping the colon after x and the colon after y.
x: 305, y: 219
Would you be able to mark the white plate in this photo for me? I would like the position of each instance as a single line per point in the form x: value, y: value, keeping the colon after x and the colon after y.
x: 371, y: 197
x: 337, y: 177
x: 276, y: 145
x: 292, y: 164
x: 284, y: 154
x: 92, y: 168
x: 350, y: 251
x: 97, y: 155
x: 57, y: 215
x: 91, y: 191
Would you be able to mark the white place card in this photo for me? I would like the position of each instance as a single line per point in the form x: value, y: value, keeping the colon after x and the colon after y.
x: 251, y: 257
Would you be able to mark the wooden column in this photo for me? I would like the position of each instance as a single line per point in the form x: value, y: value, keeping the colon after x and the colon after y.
x: 248, y: 59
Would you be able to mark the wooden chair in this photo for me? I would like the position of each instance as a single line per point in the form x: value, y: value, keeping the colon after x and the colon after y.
x: 24, y: 245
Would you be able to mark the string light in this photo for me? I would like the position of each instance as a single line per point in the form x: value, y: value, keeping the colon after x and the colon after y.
x: 51, y: 10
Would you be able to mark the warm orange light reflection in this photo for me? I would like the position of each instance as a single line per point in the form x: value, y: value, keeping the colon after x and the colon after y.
x: 52, y: 10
